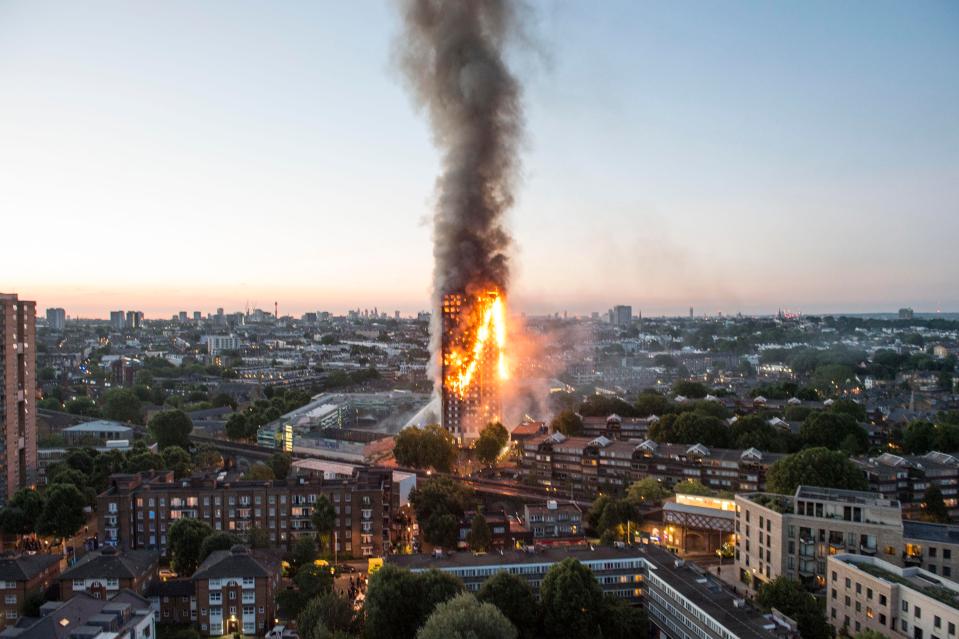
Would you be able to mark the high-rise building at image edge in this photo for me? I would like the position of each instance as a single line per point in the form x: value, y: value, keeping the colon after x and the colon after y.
x: 18, y: 391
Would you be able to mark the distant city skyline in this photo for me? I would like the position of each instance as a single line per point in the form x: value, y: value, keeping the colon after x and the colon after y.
x: 736, y: 158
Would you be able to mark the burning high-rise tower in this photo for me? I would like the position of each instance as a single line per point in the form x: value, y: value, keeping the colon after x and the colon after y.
x: 473, y: 361
x: 452, y: 52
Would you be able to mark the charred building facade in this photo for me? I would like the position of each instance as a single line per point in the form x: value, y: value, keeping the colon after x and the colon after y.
x: 471, y: 362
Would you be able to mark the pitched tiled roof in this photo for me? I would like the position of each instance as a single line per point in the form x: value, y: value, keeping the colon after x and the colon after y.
x: 25, y: 567
x: 236, y: 562
x: 109, y: 563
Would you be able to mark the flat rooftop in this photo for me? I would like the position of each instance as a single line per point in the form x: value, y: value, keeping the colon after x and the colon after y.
x: 861, y: 497
x: 933, y: 586
x: 925, y: 531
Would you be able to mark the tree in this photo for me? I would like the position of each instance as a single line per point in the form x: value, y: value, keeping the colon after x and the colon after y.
x: 690, y: 389
x: 651, y: 402
x: 429, y: 447
x: 219, y: 540
x: 568, y: 423
x: 324, y: 517
x: 222, y: 399
x: 463, y: 617
x: 604, y: 406
x: 177, y: 460
x: 280, y: 463
x: 257, y: 538
x: 62, y: 514
x: 326, y: 614
x: 259, y: 471
x: 755, y: 432
x: 814, y: 467
x: 313, y: 580
x: 172, y: 428
x: 647, y: 491
x: 237, y: 427
x: 439, y: 505
x: 693, y: 487
x: 83, y: 406
x: 493, y: 438
x: 514, y: 598
x: 185, y: 538
x: 619, y: 620
x: 122, y: 405
x: 303, y: 552
x: 208, y: 458
x: 933, y: 506
x: 831, y: 430
x: 848, y: 407
x: 790, y: 598
x: 63, y: 474
x: 480, y: 536
x: 293, y: 602
x: 571, y: 600
x: 398, y: 601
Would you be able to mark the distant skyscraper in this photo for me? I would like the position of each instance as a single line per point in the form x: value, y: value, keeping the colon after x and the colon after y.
x: 621, y: 315
x: 690, y: 312
x: 182, y: 316
x: 116, y: 320
x: 18, y: 414
x: 56, y: 319
x: 197, y: 316
x: 134, y: 319
x: 906, y: 313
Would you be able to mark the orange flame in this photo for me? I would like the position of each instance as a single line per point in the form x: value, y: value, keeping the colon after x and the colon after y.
x: 490, y: 333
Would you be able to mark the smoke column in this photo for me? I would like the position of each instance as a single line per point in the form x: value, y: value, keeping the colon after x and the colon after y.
x: 451, y: 52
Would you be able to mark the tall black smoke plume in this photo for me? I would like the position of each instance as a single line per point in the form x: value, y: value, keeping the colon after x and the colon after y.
x: 452, y: 54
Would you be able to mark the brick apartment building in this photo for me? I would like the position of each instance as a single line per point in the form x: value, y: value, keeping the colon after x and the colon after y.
x: 18, y: 394
x: 235, y: 592
x: 23, y: 576
x: 105, y: 572
x: 906, y: 478
x: 137, y: 510
x: 588, y: 465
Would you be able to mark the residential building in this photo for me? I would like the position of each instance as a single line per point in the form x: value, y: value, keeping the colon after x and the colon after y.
x: 588, y: 465
x: 175, y: 599
x: 99, y: 431
x: 554, y: 520
x: 235, y: 592
x: 794, y: 536
x: 134, y: 319
x: 56, y: 319
x: 22, y: 576
x: 678, y: 595
x: 117, y: 322
x: 867, y: 593
x: 616, y: 427
x: 906, y: 478
x: 906, y: 313
x: 103, y: 573
x: 124, y: 616
x: 18, y: 394
x: 216, y: 344
x: 621, y: 315
x: 932, y: 547
x: 137, y: 510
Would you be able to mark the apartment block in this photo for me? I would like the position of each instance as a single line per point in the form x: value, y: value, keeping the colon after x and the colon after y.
x: 105, y: 572
x: 22, y: 576
x: 932, y: 547
x: 867, y: 593
x: 235, y: 592
x: 137, y: 510
x: 794, y: 536
x: 588, y: 465
x: 681, y: 598
x: 18, y: 394
x: 906, y: 478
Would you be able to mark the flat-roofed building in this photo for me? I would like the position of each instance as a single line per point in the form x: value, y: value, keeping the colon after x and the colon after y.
x: 682, y: 599
x: 906, y: 478
x: 932, y: 547
x: 794, y: 535
x: 867, y: 593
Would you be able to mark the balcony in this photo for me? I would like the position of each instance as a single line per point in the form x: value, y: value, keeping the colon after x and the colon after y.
x: 912, y: 559
x: 867, y: 550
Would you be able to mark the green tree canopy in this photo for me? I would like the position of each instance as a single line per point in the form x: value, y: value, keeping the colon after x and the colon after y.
x: 514, y: 598
x: 648, y: 490
x: 814, y: 467
x: 62, y: 514
x: 439, y: 504
x: 398, y: 602
x: 651, y: 402
x: 329, y: 613
x: 480, y: 536
x: 219, y: 540
x: 567, y: 422
x: 690, y: 389
x: 493, y: 438
x: 790, y: 598
x: 185, y: 538
x: 259, y: 471
x: 831, y: 430
x: 280, y: 463
x: 693, y: 487
x: 238, y: 427
x: 172, y: 428
x: 571, y: 600
x: 429, y: 447
x: 122, y: 405
x: 934, y: 506
x: 313, y: 580
x: 463, y: 617
x: 177, y: 460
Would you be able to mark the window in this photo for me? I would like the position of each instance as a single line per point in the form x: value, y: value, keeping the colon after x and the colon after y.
x: 917, y: 612
x: 12, y: 600
x: 882, y: 600
x: 936, y: 621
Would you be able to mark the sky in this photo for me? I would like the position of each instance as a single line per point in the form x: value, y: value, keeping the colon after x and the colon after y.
x: 730, y: 156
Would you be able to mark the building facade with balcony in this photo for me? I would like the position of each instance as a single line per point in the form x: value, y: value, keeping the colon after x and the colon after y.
x: 137, y: 510
x: 794, y: 536
x: 907, y: 477
x: 588, y: 465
